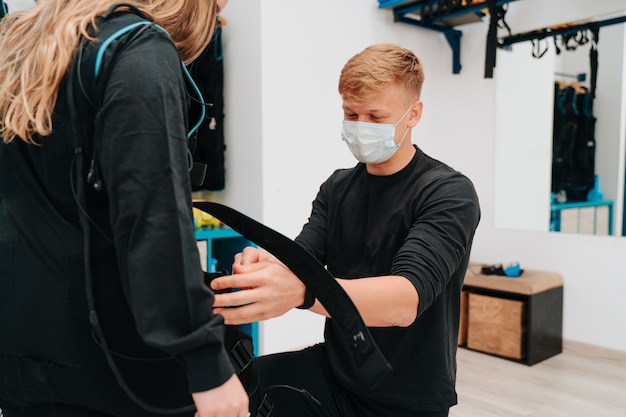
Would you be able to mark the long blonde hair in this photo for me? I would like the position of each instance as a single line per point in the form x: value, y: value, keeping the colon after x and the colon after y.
x: 37, y: 46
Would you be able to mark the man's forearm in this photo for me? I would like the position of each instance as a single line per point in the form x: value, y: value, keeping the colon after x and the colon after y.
x: 384, y: 301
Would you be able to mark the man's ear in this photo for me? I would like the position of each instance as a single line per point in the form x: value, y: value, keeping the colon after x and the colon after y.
x: 415, y: 114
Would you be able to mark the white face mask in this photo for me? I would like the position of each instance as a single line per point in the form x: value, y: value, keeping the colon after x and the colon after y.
x: 372, y: 143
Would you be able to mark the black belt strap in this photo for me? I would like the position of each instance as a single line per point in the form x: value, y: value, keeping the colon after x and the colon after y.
x: 368, y: 358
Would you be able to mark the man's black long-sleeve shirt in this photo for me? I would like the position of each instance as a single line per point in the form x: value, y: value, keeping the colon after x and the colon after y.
x: 418, y: 223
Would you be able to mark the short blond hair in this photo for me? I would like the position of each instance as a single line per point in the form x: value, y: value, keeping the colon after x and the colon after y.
x: 369, y: 72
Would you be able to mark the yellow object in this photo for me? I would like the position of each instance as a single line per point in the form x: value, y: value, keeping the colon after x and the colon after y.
x: 203, y: 219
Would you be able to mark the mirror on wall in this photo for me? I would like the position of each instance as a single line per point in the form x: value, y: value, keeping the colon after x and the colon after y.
x: 526, y: 155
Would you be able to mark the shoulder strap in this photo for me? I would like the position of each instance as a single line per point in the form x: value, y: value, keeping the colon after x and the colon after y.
x: 87, y: 68
x: 84, y: 71
x: 3, y: 9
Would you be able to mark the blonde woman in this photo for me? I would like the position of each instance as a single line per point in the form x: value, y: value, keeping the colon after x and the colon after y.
x: 131, y: 130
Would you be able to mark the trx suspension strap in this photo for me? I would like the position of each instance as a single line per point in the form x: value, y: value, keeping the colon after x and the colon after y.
x: 370, y: 361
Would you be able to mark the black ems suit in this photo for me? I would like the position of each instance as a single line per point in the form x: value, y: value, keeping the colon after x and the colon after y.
x: 150, y: 297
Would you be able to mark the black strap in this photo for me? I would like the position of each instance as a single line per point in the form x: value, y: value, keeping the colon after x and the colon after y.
x: 78, y: 132
x: 368, y: 358
x: 593, y: 60
x: 492, y: 39
x: 86, y: 65
x: 113, y: 8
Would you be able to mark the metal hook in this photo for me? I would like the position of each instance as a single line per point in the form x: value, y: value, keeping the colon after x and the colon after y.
x: 537, y: 52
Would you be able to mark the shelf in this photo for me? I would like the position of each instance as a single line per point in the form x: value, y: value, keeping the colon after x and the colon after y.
x: 441, y: 16
x: 582, y: 217
x: 222, y: 244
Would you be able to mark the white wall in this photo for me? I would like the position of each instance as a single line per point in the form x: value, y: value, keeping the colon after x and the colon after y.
x: 523, y: 152
x: 15, y: 5
x: 298, y: 48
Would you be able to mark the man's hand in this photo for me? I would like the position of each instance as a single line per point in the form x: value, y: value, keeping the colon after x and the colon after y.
x: 251, y: 255
x: 267, y: 289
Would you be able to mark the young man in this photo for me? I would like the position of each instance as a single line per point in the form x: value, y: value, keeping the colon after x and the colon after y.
x: 396, y: 230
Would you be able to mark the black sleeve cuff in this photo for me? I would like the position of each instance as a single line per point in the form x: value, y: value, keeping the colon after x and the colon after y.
x: 207, y: 368
x: 309, y: 300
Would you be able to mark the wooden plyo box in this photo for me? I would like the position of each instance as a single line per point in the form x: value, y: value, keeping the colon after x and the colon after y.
x: 496, y: 325
x: 520, y: 319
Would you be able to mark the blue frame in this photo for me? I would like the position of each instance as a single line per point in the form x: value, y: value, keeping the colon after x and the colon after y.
x: 222, y: 244
x: 557, y: 207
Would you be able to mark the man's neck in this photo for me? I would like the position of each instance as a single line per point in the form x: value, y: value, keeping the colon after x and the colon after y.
x: 396, y: 163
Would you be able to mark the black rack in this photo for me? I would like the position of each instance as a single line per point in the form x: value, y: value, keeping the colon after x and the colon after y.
x: 564, y: 29
x: 441, y: 16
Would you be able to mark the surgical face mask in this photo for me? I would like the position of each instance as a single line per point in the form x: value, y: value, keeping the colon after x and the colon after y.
x: 372, y: 143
